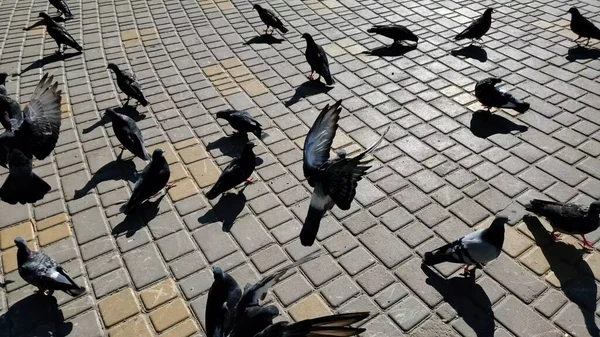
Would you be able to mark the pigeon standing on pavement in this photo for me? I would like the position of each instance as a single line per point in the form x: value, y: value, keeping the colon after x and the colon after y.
x: 583, y: 27
x: 241, y: 121
x: 568, y: 218
x: 490, y: 96
x: 62, y: 7
x: 22, y: 185
x: 223, y: 296
x: 238, y: 171
x: 268, y: 18
x: 40, y: 270
x: 477, y: 28
x: 397, y: 33
x: 477, y: 248
x: 128, y: 85
x: 317, y: 59
x: 128, y: 134
x: 334, y: 180
x: 59, y: 34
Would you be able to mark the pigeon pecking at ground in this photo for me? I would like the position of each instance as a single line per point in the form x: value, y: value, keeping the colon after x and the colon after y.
x: 238, y: 171
x: 490, y: 96
x: 22, y: 185
x: 241, y: 121
x: 59, y: 34
x: 40, y: 270
x: 477, y: 28
x: 334, y: 180
x: 397, y: 33
x: 270, y: 19
x: 477, y: 248
x: 317, y: 59
x: 62, y: 7
x: 568, y: 218
x: 583, y: 27
x: 128, y: 85
x: 128, y: 134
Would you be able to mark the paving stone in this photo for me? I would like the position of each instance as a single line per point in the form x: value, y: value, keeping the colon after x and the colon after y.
x: 169, y: 315
x: 531, y: 323
x: 158, y: 294
x: 518, y: 280
x: 87, y: 324
x: 137, y: 326
x: 408, y: 313
x: 118, y: 307
x: 389, y: 249
x: 309, y: 307
x: 144, y: 266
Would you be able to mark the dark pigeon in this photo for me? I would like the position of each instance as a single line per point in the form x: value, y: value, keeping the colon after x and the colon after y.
x: 41, y: 271
x: 8, y: 106
x: 59, y: 34
x: 238, y: 171
x: 3, y: 77
x: 477, y: 248
x: 128, y: 134
x: 489, y: 96
x: 62, y: 7
x: 22, y: 185
x: 269, y: 19
x: 333, y: 325
x: 334, y: 180
x: 583, y: 27
x: 477, y: 28
x: 397, y: 33
x: 223, y: 295
x: 568, y: 218
x: 128, y: 85
x: 241, y: 121
x: 317, y: 59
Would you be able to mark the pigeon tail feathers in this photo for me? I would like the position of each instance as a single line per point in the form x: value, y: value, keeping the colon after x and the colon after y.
x: 521, y: 107
x: 75, y: 292
x: 311, y: 226
x: 283, y: 30
x: 438, y: 257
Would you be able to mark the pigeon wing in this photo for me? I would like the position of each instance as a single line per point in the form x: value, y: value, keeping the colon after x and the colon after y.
x: 319, y: 140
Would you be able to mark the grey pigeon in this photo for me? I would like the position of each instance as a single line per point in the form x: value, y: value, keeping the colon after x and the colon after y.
x: 477, y: 29
x: 41, y: 271
x: 568, y: 218
x: 490, y: 96
x: 128, y: 133
x: 334, y: 180
x: 241, y: 121
x: 128, y: 85
x: 397, y: 33
x: 477, y: 248
x: 583, y: 27
x: 22, y: 185
x: 270, y: 19
x: 62, y: 7
x: 317, y: 59
x: 59, y: 33
x: 153, y: 179
x: 238, y: 171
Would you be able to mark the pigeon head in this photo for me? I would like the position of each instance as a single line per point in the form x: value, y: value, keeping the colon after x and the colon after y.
x: 217, y: 273
x: 488, y: 12
x: 45, y: 16
x: 249, y: 146
x: 110, y: 113
x: 113, y: 67
x: 157, y: 154
x: 573, y: 11
x: 257, y: 7
x: 595, y: 209
x: 21, y: 243
x: 307, y: 37
x: 224, y: 114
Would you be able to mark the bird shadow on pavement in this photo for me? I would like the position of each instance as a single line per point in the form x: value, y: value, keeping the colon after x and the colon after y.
x: 230, y: 146
x: 49, y: 59
x: 471, y: 52
x: 580, y: 52
x: 35, y: 315
x: 467, y: 298
x: 226, y: 210
x: 572, y: 271
x: 115, y: 170
x: 127, y: 110
x: 484, y: 124
x: 307, y: 89
x: 143, y: 215
x: 391, y: 50
x: 264, y: 39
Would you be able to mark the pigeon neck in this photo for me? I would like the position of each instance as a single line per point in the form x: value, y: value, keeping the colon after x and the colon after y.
x: 22, y: 255
x: 495, y: 233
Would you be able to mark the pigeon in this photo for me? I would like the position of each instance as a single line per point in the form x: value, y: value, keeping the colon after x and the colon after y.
x: 40, y: 270
x: 8, y: 105
x: 568, y: 218
x: 238, y: 171
x: 332, y: 325
x: 477, y: 248
x: 153, y: 179
x: 128, y: 85
x: 3, y: 77
x: 397, y: 33
x: 269, y: 19
x: 59, y: 34
x: 241, y: 121
x: 488, y: 95
x: 128, y: 134
x: 317, y: 59
x: 223, y: 295
x: 62, y: 7
x: 22, y: 185
x: 334, y: 180
x: 583, y: 27
x: 477, y: 28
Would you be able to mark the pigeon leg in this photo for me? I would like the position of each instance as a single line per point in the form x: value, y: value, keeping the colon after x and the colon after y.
x: 310, y: 77
x: 466, y: 270
x: 249, y: 181
x: 586, y: 243
x: 267, y: 30
x: 127, y: 101
x: 170, y: 186
x: 588, y: 42
x: 555, y: 236
x: 49, y: 292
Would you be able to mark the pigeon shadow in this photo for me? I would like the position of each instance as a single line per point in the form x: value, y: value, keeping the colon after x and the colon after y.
x: 58, y: 18
x: 264, y: 39
x: 307, y: 89
x: 485, y: 124
x: 49, y: 59
x: 127, y: 110
x: 582, y: 53
x: 471, y: 52
x: 565, y: 261
x: 391, y: 50
x: 6, y: 283
x: 468, y: 299
x: 230, y: 146
x: 115, y: 170
x: 226, y: 209
x: 143, y: 215
x: 42, y: 311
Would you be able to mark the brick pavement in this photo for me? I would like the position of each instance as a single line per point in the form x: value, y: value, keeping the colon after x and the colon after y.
x: 441, y: 173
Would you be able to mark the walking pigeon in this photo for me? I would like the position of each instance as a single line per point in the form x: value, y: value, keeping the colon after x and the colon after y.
x: 477, y: 248
x: 128, y: 134
x: 477, y: 28
x: 583, y: 27
x: 22, y: 185
x: 568, y: 218
x: 223, y: 296
x: 397, y: 33
x: 238, y: 171
x: 40, y: 270
x: 59, y: 34
x: 490, y: 96
x: 268, y: 18
x: 62, y: 7
x: 241, y: 121
x: 317, y: 59
x: 335, y: 180
x: 128, y: 85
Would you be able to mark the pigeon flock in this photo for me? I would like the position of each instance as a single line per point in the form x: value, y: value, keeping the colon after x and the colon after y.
x: 32, y: 133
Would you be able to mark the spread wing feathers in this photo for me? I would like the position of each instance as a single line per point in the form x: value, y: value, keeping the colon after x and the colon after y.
x: 328, y: 326
x: 553, y: 209
x: 22, y: 185
x: 319, y: 139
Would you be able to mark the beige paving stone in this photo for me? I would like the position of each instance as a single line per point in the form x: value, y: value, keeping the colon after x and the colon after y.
x: 149, y: 37
x: 356, y: 49
x: 193, y: 153
x: 9, y: 257
x: 185, y: 329
x: 221, y: 81
x: 185, y: 188
x: 118, y: 307
x: 231, y: 91
x: 333, y: 50
x: 205, y: 172
x: 515, y: 243
x: 36, y: 32
x: 213, y: 70
x: 345, y: 42
x: 244, y: 78
x: 238, y: 71
x: 147, y: 31
x: 227, y: 86
x: 536, y: 261
x: 8, y: 235
x: 225, y: 5
x: 309, y: 307
x: 134, y: 327
x: 231, y: 63
x: 52, y: 221
x: 169, y: 315
x: 159, y: 293
x: 185, y: 143
x: 178, y: 172
x: 593, y: 261
x: 253, y: 88
x: 169, y: 154
x: 129, y: 34
x: 131, y: 43
x: 54, y: 234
